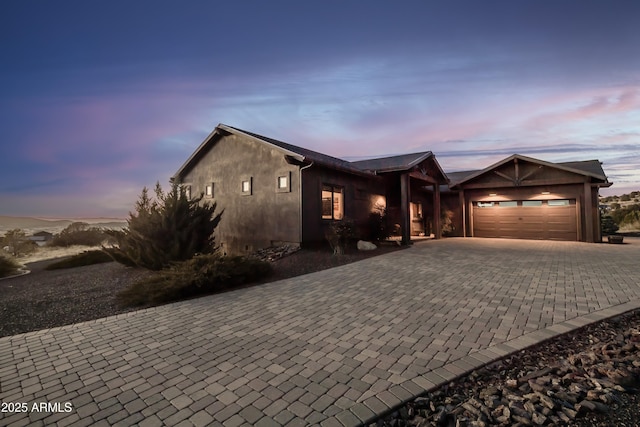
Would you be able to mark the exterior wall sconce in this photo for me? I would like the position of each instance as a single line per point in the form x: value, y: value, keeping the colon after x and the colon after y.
x: 493, y: 194
x: 546, y: 193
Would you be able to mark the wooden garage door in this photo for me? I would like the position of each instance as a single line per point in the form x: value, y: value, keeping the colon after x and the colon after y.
x: 528, y: 219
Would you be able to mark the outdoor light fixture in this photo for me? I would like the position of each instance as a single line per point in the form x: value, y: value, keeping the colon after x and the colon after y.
x: 546, y: 192
x: 493, y: 194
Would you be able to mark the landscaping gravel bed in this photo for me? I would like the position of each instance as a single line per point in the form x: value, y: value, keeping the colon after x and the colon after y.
x: 589, y: 377
x: 46, y: 299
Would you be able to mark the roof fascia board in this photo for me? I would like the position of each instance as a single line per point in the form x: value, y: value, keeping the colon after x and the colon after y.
x: 560, y: 166
x: 195, y: 154
x: 295, y: 155
x: 531, y: 160
x: 298, y: 156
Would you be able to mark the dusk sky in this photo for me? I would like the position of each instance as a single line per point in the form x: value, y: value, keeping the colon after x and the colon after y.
x: 101, y: 98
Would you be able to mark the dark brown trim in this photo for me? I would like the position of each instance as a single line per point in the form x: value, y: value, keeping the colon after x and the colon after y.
x: 405, y: 197
x: 422, y: 177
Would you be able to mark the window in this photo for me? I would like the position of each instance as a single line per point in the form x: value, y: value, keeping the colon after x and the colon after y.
x: 187, y: 191
x: 283, y: 182
x: 208, y: 190
x: 246, y: 186
x: 486, y: 204
x: 532, y: 203
x: 558, y: 202
x: 332, y: 202
x: 508, y: 203
x: 416, y: 210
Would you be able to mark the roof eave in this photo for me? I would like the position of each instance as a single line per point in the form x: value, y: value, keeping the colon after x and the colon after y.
x: 195, y: 154
x: 293, y: 154
x: 528, y: 159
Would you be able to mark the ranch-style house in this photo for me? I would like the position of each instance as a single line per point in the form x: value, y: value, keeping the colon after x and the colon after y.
x: 275, y: 193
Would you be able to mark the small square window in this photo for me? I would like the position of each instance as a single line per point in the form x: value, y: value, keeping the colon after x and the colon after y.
x: 283, y: 182
x: 246, y: 187
x: 208, y: 190
x: 187, y: 191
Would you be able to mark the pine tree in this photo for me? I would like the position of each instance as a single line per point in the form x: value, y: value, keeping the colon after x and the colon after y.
x: 166, y: 229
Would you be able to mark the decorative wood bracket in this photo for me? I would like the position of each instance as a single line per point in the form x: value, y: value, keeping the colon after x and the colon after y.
x: 517, y: 180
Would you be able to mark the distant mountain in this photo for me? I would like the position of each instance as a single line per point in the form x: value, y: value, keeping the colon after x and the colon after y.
x: 32, y: 225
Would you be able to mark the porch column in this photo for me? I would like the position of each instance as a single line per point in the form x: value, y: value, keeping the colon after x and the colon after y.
x: 463, y: 209
x: 437, y: 223
x: 405, y: 197
x: 588, y: 213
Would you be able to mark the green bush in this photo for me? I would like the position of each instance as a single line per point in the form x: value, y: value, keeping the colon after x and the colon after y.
x: 339, y: 234
x: 169, y: 229
x: 18, y: 242
x: 377, y: 226
x: 8, y: 267
x: 82, y: 259
x: 79, y: 233
x: 203, y: 274
x: 608, y: 225
x: 626, y: 215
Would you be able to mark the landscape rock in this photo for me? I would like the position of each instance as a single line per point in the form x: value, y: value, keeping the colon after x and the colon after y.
x: 549, y: 385
x: 274, y: 253
x: 366, y: 246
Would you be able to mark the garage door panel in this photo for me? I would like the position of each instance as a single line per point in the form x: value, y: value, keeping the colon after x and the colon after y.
x: 526, y: 222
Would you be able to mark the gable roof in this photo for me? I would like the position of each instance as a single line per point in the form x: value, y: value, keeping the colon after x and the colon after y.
x: 393, y: 163
x: 591, y: 168
x: 401, y: 162
x: 302, y: 155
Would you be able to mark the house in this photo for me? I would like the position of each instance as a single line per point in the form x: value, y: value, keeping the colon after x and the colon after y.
x: 275, y: 193
x: 41, y: 238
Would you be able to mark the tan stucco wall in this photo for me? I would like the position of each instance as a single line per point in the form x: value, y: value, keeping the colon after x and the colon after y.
x: 255, y: 221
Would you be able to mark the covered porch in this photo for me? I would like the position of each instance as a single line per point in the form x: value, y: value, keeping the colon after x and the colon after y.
x: 412, y: 189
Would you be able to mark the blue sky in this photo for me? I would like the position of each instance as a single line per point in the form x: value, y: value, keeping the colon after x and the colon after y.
x: 100, y: 98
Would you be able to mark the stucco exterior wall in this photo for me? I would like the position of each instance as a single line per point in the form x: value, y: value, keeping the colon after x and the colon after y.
x: 265, y: 216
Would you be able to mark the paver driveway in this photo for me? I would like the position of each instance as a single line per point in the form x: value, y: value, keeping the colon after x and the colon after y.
x: 330, y: 348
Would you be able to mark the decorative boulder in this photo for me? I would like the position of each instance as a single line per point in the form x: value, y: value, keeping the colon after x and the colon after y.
x: 366, y: 246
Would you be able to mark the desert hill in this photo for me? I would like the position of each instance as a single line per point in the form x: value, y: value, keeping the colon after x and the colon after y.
x: 32, y: 225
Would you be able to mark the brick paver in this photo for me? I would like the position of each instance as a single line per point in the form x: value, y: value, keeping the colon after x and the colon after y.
x: 331, y: 348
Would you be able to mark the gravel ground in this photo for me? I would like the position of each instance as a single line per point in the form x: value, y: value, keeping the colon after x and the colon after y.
x: 447, y: 406
x: 46, y: 299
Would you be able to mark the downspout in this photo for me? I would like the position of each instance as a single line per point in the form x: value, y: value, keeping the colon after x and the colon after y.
x: 300, y: 199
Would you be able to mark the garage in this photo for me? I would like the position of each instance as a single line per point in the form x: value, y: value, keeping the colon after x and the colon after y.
x: 526, y: 219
